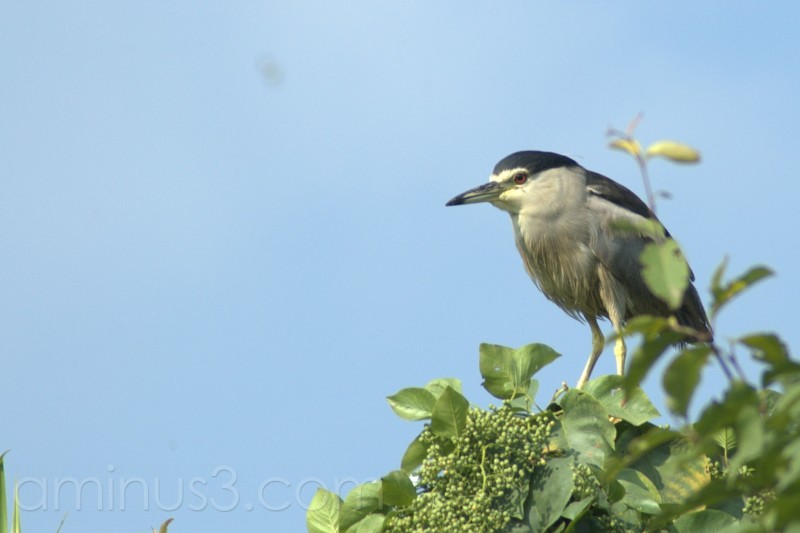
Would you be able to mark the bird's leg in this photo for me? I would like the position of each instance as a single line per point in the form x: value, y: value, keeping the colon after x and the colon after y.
x: 620, y: 350
x: 597, y: 348
x: 612, y: 293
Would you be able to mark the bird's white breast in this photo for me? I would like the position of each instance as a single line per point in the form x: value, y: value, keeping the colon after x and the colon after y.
x: 553, y: 235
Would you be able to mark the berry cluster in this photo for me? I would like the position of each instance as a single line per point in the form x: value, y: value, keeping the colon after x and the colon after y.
x: 476, y: 482
x: 754, y: 504
x: 585, y: 483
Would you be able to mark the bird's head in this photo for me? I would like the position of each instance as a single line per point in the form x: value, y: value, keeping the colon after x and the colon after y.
x: 528, y: 179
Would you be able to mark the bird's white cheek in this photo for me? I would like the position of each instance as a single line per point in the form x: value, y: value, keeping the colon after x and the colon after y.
x: 511, y: 199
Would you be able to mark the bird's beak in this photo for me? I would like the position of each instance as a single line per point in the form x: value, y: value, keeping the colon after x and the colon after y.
x: 483, y: 193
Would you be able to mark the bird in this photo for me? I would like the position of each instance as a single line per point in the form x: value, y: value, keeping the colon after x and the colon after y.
x: 567, y: 228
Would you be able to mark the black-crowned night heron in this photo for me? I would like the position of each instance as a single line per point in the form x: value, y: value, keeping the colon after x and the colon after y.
x: 563, y: 217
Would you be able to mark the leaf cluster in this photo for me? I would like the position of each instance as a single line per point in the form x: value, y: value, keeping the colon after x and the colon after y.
x: 508, y: 468
x: 592, y: 459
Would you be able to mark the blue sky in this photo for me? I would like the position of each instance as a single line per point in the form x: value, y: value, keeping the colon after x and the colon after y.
x: 224, y: 238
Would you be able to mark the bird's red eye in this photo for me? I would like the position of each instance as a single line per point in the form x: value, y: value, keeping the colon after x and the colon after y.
x: 520, y: 178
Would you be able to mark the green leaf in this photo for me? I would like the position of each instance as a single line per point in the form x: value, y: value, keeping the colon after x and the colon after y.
x: 3, y: 503
x: 769, y: 398
x: 786, y: 408
x: 162, y: 529
x: 635, y: 444
x: 322, y: 515
x: 726, y: 439
x: 495, y: 365
x: 587, y: 430
x: 655, y: 342
x: 397, y: 489
x: 631, y: 146
x: 438, y: 386
x: 413, y: 403
x: 716, y: 277
x: 681, y: 470
x: 515, y: 499
x: 369, y: 524
x: 360, y: 502
x: 720, y: 415
x: 750, y: 434
x: 676, y: 468
x: 15, y: 516
x: 707, y: 521
x: 784, y: 512
x: 415, y: 454
x: 674, y: 151
x: 575, y: 510
x: 516, y: 526
x: 682, y: 376
x: 449, y: 414
x: 647, y: 325
x: 790, y: 476
x: 551, y: 490
x: 616, y: 491
x: 770, y: 349
x: 607, y: 390
x: 665, y: 271
x: 725, y: 293
x: 526, y: 401
x: 528, y: 360
x: 679, y: 475
x: 711, y: 493
x: 507, y: 372
x: 645, y: 227
x: 631, y: 520
x: 640, y: 493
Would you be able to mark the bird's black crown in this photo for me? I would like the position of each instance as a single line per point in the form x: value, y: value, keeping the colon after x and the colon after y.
x: 534, y: 161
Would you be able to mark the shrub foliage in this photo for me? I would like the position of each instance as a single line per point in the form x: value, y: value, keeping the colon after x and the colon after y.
x: 592, y: 460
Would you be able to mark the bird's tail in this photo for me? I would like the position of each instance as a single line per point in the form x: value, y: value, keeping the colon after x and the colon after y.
x: 693, y: 315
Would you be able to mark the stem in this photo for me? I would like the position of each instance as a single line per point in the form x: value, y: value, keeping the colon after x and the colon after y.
x: 559, y: 391
x: 727, y: 371
x: 735, y: 364
x: 483, y: 470
x: 484, y: 476
x: 651, y: 199
x: 725, y: 455
x: 641, y: 160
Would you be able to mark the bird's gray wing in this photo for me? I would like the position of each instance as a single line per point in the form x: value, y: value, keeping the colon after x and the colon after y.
x: 619, y: 251
x: 629, y: 206
x: 619, y: 195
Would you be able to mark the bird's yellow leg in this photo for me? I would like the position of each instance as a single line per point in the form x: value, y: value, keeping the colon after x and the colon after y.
x: 597, y: 348
x: 612, y: 293
x: 620, y: 350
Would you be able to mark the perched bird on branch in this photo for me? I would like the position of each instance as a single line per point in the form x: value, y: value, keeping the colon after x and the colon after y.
x: 569, y: 228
